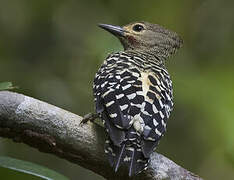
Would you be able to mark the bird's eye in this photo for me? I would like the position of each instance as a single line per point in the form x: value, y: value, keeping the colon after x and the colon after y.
x: 138, y: 28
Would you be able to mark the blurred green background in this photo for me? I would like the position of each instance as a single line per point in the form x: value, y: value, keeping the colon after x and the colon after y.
x: 52, y: 50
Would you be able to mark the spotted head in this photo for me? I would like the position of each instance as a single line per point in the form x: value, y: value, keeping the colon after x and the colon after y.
x: 147, y: 38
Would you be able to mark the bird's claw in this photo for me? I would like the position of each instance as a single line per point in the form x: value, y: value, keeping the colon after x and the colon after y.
x: 88, y: 117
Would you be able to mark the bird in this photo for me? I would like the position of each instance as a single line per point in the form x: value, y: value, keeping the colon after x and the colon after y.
x: 133, y: 93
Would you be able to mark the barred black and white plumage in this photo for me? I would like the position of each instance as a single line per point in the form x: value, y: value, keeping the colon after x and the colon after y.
x: 133, y: 94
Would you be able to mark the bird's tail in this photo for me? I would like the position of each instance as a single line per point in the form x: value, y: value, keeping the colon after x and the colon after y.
x: 126, y: 154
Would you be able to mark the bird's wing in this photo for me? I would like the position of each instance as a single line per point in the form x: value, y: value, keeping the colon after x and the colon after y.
x: 157, y: 107
x: 116, y: 96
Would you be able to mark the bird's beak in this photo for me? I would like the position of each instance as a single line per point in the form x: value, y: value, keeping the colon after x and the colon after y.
x: 115, y: 30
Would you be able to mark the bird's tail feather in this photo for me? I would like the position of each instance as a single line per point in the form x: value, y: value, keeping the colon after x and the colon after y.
x: 127, y: 156
x: 119, y: 157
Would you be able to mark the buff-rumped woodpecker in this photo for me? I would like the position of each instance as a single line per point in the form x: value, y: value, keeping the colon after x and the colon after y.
x: 133, y: 93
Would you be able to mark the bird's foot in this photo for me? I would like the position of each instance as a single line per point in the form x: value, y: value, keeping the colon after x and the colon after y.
x: 89, y: 117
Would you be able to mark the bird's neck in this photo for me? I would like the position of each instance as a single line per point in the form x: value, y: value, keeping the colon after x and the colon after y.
x: 148, y: 57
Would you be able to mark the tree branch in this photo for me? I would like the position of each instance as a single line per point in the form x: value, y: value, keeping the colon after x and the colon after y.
x: 53, y: 130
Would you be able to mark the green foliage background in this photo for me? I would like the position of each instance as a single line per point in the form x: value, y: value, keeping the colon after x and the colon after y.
x: 52, y: 49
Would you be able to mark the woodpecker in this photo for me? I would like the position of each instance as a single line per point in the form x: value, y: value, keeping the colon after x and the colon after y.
x: 133, y: 93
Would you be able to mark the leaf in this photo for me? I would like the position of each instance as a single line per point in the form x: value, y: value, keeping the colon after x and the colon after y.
x: 30, y: 168
x: 6, y: 86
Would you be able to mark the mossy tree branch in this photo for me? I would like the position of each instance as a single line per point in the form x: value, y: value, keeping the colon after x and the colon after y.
x: 53, y: 130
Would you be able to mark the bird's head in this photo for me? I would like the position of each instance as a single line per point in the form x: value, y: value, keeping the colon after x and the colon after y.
x: 147, y: 38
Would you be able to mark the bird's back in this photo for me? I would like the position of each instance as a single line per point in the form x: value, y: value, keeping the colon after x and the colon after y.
x: 133, y: 95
